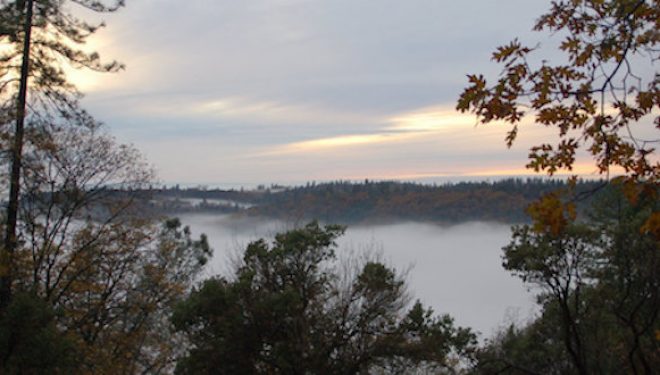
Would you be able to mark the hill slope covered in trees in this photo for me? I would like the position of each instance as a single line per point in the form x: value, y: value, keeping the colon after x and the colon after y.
x: 350, y: 203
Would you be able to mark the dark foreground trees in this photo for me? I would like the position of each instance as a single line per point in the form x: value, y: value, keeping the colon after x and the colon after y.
x: 39, y: 39
x: 97, y: 278
x: 598, y: 278
x: 600, y: 299
x: 292, y: 308
x: 87, y: 281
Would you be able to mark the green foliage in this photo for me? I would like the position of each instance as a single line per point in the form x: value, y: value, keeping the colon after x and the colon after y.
x: 599, y: 278
x: 290, y: 308
x: 555, y: 261
x: 598, y: 291
x: 534, y: 349
x: 30, y: 342
x: 58, y: 36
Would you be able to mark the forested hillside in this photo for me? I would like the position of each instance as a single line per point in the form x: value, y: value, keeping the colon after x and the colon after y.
x: 347, y: 202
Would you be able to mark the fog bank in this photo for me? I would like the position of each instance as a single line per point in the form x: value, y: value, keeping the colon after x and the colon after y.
x: 455, y: 269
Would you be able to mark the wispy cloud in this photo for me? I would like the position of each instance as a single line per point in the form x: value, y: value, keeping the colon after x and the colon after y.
x: 272, y: 111
x: 339, y: 141
x: 300, y: 89
x: 433, y: 119
x: 400, y: 128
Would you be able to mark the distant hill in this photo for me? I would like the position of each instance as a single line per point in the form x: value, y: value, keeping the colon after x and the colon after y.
x: 367, y: 202
x: 347, y: 202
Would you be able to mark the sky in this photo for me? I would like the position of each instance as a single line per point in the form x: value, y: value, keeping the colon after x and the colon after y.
x: 287, y: 91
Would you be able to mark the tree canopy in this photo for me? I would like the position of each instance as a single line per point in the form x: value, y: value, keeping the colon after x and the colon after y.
x: 598, y: 291
x: 87, y: 281
x: 39, y: 38
x: 596, y: 275
x: 103, y: 276
x: 291, y: 307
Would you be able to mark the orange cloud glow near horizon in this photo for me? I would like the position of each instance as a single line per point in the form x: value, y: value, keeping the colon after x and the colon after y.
x: 582, y: 170
x: 422, y: 124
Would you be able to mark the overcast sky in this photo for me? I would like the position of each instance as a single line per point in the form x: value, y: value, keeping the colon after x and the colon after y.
x: 282, y: 91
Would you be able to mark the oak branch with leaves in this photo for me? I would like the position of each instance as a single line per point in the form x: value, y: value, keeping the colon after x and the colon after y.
x: 597, y: 100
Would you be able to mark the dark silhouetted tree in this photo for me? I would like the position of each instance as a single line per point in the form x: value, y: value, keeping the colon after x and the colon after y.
x: 39, y: 36
x: 291, y: 308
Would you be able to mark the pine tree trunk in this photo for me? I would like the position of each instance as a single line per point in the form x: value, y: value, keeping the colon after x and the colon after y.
x: 6, y: 258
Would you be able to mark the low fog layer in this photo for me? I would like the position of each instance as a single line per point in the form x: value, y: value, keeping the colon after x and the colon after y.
x: 455, y: 269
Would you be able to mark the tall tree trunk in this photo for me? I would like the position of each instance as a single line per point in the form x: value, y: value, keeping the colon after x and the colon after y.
x: 6, y: 258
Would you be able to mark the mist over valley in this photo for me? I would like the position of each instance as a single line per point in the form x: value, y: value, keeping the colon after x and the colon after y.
x: 454, y: 269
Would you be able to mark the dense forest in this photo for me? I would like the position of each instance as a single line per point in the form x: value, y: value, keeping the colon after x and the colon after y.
x: 348, y: 202
x: 345, y: 202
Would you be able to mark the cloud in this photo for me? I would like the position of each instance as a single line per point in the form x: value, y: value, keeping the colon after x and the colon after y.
x: 271, y: 111
x: 337, y: 142
x: 301, y: 89
x: 400, y: 128
x: 432, y: 119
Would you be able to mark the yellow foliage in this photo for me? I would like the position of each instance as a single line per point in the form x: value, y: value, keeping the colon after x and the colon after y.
x: 550, y: 214
x: 652, y: 225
